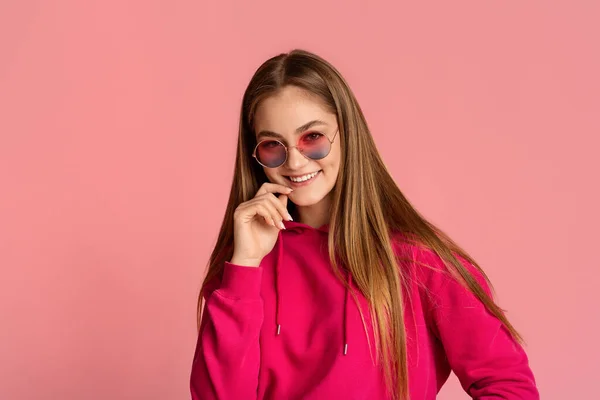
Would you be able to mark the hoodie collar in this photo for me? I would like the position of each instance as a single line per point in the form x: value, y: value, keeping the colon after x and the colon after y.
x: 299, y: 226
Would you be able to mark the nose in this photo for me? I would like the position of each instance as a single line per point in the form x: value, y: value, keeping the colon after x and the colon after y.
x: 295, y: 159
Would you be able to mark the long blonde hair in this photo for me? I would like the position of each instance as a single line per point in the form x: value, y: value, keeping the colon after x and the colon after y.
x: 360, y: 225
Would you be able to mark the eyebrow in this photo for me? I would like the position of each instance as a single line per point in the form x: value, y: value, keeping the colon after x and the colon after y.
x: 308, y: 125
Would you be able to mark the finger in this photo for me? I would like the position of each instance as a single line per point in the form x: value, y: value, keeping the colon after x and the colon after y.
x: 283, y: 200
x: 280, y: 206
x: 268, y: 187
x: 277, y: 208
x: 270, y: 210
x: 263, y: 212
x: 248, y: 210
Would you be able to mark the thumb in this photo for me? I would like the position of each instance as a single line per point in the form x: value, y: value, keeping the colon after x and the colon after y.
x: 283, y: 198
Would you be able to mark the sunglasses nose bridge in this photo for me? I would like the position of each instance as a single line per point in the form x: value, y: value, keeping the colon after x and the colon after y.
x: 294, y: 160
x: 297, y: 147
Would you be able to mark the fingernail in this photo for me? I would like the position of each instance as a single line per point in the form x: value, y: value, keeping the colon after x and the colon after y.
x: 281, y: 225
x: 289, y: 217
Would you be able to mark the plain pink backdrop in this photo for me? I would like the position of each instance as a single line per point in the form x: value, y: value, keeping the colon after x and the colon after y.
x: 117, y: 137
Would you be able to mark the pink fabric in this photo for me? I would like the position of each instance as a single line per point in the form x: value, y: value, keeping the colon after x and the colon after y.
x: 239, y: 354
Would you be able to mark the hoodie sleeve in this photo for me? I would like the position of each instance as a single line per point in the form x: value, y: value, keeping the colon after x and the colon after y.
x: 488, y: 362
x: 227, y: 357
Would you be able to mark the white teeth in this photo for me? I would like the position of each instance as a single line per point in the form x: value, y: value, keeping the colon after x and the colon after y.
x: 304, y: 178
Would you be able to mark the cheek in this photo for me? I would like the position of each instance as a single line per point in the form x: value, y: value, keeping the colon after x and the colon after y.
x: 333, y: 162
x: 272, y: 174
x: 269, y: 173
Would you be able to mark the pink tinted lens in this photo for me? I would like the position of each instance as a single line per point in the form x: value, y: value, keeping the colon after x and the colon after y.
x: 314, y: 145
x: 270, y: 153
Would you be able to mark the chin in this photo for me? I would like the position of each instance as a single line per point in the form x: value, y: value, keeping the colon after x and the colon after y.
x: 306, y: 200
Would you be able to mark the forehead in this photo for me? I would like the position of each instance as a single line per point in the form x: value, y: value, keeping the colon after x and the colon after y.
x: 288, y: 109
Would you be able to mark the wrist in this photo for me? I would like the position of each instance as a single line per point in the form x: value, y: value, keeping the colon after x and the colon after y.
x: 245, y: 262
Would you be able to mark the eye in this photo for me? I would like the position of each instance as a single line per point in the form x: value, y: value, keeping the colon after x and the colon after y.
x: 311, y: 137
x: 270, y: 144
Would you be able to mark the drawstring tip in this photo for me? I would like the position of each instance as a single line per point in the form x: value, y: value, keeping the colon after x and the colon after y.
x: 278, y: 329
x: 346, y: 349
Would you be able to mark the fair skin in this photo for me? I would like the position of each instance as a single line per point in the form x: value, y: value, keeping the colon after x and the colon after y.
x: 284, y: 116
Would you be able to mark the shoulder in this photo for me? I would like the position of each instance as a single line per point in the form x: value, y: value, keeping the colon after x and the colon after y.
x: 429, y: 269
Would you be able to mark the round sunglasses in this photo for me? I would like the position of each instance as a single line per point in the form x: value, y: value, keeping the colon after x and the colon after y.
x: 272, y: 153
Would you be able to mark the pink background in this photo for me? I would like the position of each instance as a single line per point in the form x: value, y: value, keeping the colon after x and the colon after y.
x: 117, y: 137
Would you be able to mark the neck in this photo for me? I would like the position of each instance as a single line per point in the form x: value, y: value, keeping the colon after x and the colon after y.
x: 315, y: 215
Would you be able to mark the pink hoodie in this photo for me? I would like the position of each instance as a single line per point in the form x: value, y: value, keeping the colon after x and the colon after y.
x: 290, y: 330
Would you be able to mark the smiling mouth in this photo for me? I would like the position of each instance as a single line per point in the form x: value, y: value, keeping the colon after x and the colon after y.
x: 303, y: 178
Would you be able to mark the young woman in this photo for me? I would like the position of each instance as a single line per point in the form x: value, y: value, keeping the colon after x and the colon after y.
x: 325, y: 283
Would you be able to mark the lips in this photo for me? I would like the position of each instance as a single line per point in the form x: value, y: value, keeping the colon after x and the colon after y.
x: 304, y: 182
x: 306, y: 177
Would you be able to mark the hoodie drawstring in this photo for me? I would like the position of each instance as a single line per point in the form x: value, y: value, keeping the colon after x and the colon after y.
x: 346, y: 301
x: 277, y: 295
x: 278, y: 298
